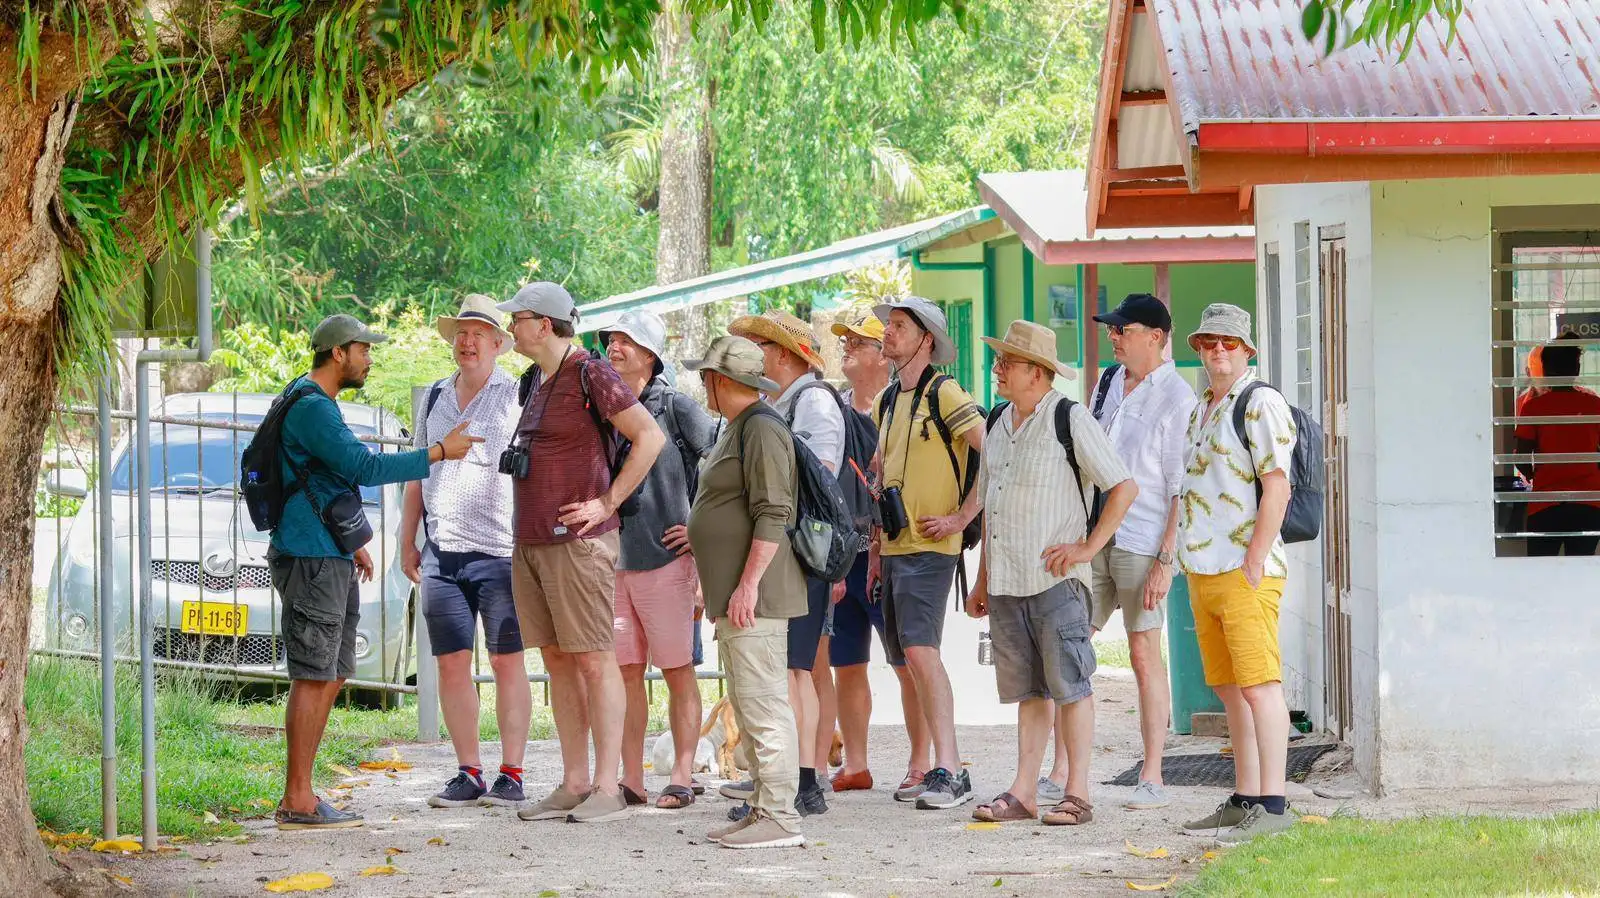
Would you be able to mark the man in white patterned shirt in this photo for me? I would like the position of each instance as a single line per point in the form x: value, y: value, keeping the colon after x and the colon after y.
x: 1034, y: 573
x: 464, y: 568
x: 1143, y: 404
x: 1234, y: 496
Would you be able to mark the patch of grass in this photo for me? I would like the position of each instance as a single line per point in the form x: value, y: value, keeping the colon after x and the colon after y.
x: 1115, y: 653
x: 1421, y: 857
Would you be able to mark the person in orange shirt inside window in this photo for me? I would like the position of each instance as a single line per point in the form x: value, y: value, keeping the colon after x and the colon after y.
x: 1562, y: 399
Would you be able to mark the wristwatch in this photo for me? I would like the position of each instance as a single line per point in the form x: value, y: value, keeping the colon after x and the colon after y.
x: 1165, y: 558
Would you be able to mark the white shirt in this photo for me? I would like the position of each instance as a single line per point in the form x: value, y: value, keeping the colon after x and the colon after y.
x: 1029, y: 499
x: 1147, y: 427
x: 815, y: 418
x: 467, y: 504
x: 1217, y: 504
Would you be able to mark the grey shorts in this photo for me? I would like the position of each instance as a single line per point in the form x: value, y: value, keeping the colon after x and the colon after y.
x: 1041, y: 644
x: 916, y: 592
x: 321, y: 607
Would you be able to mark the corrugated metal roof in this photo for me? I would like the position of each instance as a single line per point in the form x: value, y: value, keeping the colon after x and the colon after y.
x: 836, y: 258
x: 1234, y: 60
x: 1050, y: 204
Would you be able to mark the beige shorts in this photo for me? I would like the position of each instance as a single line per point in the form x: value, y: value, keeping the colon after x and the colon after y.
x: 1119, y: 583
x: 566, y: 593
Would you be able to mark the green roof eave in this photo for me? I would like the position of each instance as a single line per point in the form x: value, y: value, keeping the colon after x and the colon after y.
x: 955, y: 224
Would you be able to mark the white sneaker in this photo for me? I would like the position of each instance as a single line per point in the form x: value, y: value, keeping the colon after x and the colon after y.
x: 1147, y: 797
x: 1050, y: 792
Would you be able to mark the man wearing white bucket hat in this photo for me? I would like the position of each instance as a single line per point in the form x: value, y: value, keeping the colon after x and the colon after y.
x: 658, y: 590
x: 464, y: 563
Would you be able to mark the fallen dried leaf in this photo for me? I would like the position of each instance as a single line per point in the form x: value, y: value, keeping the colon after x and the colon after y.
x: 1314, y: 819
x: 1152, y: 887
x: 341, y: 770
x: 982, y: 826
x: 1153, y: 854
x: 1262, y: 860
x: 1210, y: 856
x: 301, y: 882
x: 391, y: 852
x: 115, y: 845
x: 380, y: 870
x: 437, y: 840
x: 65, y: 841
x: 125, y: 880
x: 1327, y: 880
x: 1226, y: 749
x: 384, y: 765
x: 549, y: 893
x: 211, y: 818
x: 996, y: 883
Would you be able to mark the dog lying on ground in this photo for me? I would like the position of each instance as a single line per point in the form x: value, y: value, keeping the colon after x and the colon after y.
x: 719, y: 739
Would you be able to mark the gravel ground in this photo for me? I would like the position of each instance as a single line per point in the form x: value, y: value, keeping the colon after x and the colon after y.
x: 867, y: 844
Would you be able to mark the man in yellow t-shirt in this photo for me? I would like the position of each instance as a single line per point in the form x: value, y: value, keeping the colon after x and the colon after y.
x: 917, y: 565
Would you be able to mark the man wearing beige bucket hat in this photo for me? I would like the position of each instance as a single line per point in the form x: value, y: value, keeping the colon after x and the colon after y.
x: 815, y: 414
x: 1043, y: 457
x: 753, y: 586
x: 463, y: 564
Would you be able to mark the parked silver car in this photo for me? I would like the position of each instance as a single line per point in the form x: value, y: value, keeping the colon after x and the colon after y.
x: 212, y: 597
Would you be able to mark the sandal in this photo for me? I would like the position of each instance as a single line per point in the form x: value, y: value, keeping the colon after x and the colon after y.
x: 633, y: 798
x: 675, y: 797
x: 1070, y: 811
x: 1004, y: 808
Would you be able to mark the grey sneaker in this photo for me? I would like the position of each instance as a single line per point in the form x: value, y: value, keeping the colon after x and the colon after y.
x: 740, y: 791
x: 555, y: 806
x: 600, y: 808
x: 910, y: 787
x: 762, y: 832
x: 811, y: 801
x: 462, y: 791
x: 1049, y: 791
x: 1256, y: 822
x: 942, y: 790
x: 722, y: 832
x: 505, y: 793
x: 1147, y: 797
x: 1226, y: 816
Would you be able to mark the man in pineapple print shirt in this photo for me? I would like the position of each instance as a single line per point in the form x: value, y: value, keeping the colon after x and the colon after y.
x: 1231, y: 507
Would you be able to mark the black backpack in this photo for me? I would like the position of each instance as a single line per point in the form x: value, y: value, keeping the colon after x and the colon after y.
x: 860, y: 445
x: 929, y: 385
x: 663, y: 405
x: 1063, y: 424
x: 261, y: 466
x: 824, y: 536
x: 1302, y: 520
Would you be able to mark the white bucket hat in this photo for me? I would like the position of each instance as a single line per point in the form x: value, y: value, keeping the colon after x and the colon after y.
x: 645, y: 328
x: 932, y: 320
x: 479, y: 308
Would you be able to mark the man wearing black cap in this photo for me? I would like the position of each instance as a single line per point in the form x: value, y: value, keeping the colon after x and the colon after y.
x: 1144, y: 405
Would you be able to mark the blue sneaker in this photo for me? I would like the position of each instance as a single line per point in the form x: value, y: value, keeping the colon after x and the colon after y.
x: 505, y: 793
x: 463, y: 791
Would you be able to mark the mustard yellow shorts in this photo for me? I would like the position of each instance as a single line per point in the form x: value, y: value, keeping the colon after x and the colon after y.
x: 1237, y: 626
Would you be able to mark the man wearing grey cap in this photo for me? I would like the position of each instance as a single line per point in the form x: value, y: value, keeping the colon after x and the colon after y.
x: 314, y: 576
x: 658, y: 591
x: 567, y: 487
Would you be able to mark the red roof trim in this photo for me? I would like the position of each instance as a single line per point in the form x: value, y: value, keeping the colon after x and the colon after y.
x: 1145, y: 250
x: 1326, y: 138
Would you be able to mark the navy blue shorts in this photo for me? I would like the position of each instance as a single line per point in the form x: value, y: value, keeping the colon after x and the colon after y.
x: 805, y: 633
x: 854, y: 619
x: 460, y: 587
x: 699, y: 656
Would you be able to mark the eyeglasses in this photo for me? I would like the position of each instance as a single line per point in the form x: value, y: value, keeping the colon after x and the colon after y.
x: 1003, y: 362
x: 1212, y: 341
x: 527, y: 317
x: 851, y: 344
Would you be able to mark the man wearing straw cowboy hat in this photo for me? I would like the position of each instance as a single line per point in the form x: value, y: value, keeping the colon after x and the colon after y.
x: 1033, y: 574
x: 815, y: 415
x: 925, y: 421
x: 464, y: 565
x: 753, y: 585
x: 657, y: 587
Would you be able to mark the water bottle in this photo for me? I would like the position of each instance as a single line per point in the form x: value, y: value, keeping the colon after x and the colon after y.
x: 985, y: 649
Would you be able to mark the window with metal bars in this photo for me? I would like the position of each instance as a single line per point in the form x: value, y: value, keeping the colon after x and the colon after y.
x: 1546, y: 388
x: 958, y: 314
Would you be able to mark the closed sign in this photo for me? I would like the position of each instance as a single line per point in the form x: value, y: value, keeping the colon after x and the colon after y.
x: 1585, y: 324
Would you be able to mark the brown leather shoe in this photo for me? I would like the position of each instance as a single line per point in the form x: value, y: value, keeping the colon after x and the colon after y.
x: 851, y: 782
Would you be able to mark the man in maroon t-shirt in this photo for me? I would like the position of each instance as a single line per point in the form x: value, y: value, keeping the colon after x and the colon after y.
x: 564, y: 518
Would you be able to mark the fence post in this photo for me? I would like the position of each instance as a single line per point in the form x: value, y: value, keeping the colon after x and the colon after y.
x: 427, y: 671
x: 107, y: 606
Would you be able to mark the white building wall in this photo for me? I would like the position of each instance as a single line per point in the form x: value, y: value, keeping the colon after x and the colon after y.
x: 1490, y: 668
x: 1327, y: 206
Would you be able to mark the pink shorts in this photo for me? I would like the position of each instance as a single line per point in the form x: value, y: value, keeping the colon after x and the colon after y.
x: 655, y: 615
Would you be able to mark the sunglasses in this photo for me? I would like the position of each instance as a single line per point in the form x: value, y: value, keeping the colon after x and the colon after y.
x: 1123, y: 329
x: 1212, y: 341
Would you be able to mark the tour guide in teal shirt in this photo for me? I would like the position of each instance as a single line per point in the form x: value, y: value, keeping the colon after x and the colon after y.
x: 318, y: 583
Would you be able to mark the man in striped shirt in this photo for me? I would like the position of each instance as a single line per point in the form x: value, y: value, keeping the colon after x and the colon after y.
x: 1034, y: 574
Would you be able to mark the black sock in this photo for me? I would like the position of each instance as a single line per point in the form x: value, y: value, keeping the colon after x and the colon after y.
x: 1241, y: 801
x: 1274, y: 804
x: 808, y: 778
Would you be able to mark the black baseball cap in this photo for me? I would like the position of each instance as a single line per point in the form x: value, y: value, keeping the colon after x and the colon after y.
x: 1139, y: 308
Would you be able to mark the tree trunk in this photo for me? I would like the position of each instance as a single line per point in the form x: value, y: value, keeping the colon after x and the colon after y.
x: 683, y: 246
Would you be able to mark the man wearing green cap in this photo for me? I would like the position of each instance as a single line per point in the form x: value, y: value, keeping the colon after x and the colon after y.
x: 316, y: 580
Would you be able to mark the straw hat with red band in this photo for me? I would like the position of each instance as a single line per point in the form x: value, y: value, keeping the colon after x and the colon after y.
x: 783, y: 329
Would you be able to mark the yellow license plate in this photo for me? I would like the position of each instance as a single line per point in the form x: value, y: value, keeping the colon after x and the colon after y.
x: 215, y: 618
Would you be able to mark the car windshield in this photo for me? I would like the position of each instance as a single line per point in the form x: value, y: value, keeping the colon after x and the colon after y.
x: 186, y: 459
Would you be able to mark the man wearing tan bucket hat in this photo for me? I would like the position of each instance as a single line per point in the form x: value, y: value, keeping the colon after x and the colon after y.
x: 1043, y: 457
x: 815, y: 414
x: 464, y: 563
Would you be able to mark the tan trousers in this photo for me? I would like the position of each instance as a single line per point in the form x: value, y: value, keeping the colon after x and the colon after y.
x: 756, y: 661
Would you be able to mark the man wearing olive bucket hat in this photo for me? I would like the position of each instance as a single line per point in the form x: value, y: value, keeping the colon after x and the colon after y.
x: 657, y: 621
x: 464, y: 564
x: 753, y: 586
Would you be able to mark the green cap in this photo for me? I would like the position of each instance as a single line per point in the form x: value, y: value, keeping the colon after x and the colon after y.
x: 337, y: 330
